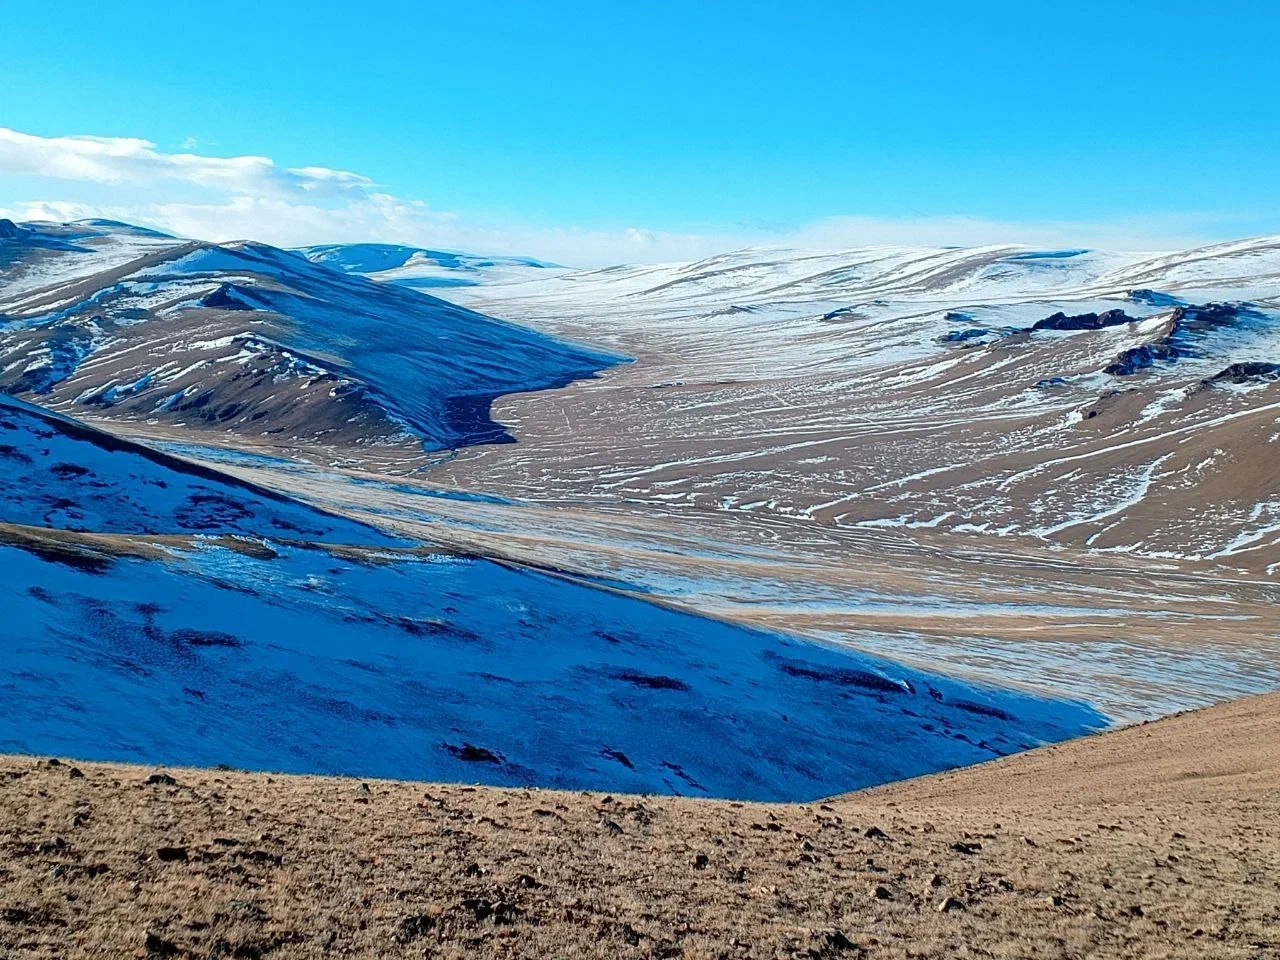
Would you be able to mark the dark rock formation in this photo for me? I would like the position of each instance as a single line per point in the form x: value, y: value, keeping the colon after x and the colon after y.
x: 1247, y: 372
x: 227, y: 297
x: 1140, y: 358
x: 1154, y: 298
x: 964, y: 336
x: 1085, y: 321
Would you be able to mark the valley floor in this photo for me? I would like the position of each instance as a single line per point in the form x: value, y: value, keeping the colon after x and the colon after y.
x: 1158, y: 840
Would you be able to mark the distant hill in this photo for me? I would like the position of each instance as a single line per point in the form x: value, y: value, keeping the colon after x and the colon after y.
x: 111, y: 320
x: 421, y: 268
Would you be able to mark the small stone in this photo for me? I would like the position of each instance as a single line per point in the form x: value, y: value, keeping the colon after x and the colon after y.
x: 963, y: 846
x: 832, y: 942
x: 54, y: 762
x: 162, y: 779
x: 700, y: 861
x: 881, y: 892
x: 75, y: 773
x: 171, y: 854
x: 875, y: 833
x: 248, y: 911
x: 411, y: 928
x: 950, y: 904
x: 157, y: 946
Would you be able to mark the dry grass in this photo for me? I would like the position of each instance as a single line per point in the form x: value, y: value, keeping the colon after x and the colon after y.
x: 1155, y: 841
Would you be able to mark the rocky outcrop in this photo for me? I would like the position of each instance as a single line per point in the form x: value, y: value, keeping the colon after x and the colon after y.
x: 977, y: 334
x: 1247, y: 372
x: 227, y: 297
x: 1185, y: 326
x: 1140, y: 358
x: 1154, y: 298
x: 1085, y: 321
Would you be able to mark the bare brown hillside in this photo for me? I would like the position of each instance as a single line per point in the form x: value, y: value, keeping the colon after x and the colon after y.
x: 1161, y: 840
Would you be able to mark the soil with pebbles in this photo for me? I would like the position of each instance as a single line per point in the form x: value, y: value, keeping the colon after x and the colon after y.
x: 1160, y: 840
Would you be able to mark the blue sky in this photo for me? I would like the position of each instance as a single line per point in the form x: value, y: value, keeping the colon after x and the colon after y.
x: 609, y: 131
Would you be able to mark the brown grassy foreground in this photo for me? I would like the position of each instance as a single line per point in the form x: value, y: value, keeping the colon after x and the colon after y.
x: 1155, y: 841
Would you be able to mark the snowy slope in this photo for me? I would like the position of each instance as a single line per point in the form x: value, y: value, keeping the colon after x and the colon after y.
x: 63, y: 475
x: 465, y: 670
x: 255, y: 341
x: 887, y: 276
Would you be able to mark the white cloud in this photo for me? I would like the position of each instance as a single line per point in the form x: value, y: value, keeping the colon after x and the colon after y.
x: 128, y: 160
x: 251, y: 197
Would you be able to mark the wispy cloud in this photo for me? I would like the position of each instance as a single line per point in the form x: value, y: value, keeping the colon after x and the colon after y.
x: 252, y: 197
x: 127, y: 160
x: 232, y: 198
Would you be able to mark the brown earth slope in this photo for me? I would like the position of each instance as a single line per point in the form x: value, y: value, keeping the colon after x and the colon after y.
x: 1161, y: 840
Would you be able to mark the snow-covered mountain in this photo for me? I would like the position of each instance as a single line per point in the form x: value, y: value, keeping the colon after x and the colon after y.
x: 107, y: 320
x: 424, y: 269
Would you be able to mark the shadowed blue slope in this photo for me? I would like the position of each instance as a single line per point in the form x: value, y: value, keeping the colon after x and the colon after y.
x: 61, y: 474
x: 376, y: 257
x: 18, y: 242
x: 462, y: 669
x: 1046, y: 255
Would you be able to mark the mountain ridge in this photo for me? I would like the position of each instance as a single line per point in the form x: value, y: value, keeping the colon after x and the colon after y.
x: 256, y: 340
